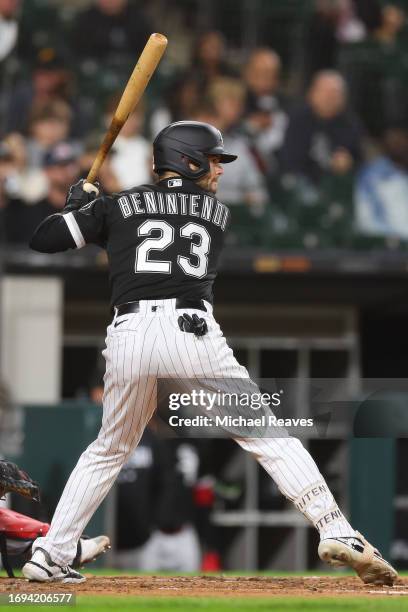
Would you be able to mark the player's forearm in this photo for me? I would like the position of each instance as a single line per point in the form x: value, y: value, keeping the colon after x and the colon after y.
x: 52, y: 236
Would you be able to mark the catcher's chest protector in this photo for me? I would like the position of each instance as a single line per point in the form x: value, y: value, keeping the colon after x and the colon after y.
x: 17, y: 533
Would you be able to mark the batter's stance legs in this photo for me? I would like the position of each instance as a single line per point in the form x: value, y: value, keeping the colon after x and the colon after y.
x: 133, y: 366
x: 128, y: 405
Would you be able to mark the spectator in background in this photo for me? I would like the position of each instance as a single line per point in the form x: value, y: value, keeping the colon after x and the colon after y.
x: 182, y: 100
x: 8, y: 27
x: 111, y: 30
x: 51, y: 82
x: 376, y: 69
x: 23, y: 181
x: 265, y: 108
x: 208, y: 61
x: 381, y: 195
x: 12, y: 160
x: 188, y: 89
x: 243, y: 184
x: 9, y: 31
x: 48, y: 124
x: 393, y: 19
x: 322, y: 136
x: 8, y: 170
x: 335, y: 21
x: 132, y: 154
x: 61, y: 168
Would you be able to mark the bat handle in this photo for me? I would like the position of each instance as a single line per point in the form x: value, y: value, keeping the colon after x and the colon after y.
x: 90, y: 188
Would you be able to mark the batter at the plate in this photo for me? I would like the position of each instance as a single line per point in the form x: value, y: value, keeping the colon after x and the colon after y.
x: 163, y: 243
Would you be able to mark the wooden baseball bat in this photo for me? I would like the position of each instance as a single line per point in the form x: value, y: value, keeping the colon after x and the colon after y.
x: 146, y: 65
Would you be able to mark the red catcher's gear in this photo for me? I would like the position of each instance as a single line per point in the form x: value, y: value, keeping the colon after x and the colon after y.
x: 17, y: 526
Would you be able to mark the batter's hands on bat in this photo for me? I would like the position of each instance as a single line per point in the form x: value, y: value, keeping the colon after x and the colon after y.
x: 77, y: 197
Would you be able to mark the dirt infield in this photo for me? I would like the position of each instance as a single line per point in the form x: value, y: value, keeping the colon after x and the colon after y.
x: 214, y: 586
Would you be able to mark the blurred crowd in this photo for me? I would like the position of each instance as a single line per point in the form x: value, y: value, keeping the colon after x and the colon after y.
x: 321, y: 132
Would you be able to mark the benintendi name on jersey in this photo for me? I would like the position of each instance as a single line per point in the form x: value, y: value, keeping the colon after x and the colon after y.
x: 156, y: 203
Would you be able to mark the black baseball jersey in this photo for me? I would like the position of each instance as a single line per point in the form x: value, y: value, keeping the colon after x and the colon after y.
x: 163, y: 241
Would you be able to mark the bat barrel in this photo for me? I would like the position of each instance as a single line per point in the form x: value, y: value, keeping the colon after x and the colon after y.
x: 141, y: 75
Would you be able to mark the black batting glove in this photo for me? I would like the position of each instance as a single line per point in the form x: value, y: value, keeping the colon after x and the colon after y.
x: 77, y: 197
x: 192, y: 325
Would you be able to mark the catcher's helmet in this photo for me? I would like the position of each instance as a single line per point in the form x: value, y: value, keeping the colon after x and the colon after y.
x: 185, y: 141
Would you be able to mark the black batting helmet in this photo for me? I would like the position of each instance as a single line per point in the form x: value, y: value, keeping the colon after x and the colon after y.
x: 184, y: 141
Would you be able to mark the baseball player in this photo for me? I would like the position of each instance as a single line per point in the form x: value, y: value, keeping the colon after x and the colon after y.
x: 163, y: 243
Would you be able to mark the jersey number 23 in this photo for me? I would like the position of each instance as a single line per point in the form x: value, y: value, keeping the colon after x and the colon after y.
x: 192, y: 266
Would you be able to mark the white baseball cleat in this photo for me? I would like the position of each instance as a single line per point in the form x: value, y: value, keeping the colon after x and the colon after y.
x: 91, y: 548
x: 357, y: 553
x: 41, y: 568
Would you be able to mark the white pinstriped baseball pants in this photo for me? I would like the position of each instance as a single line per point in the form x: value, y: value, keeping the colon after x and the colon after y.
x: 146, y: 346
